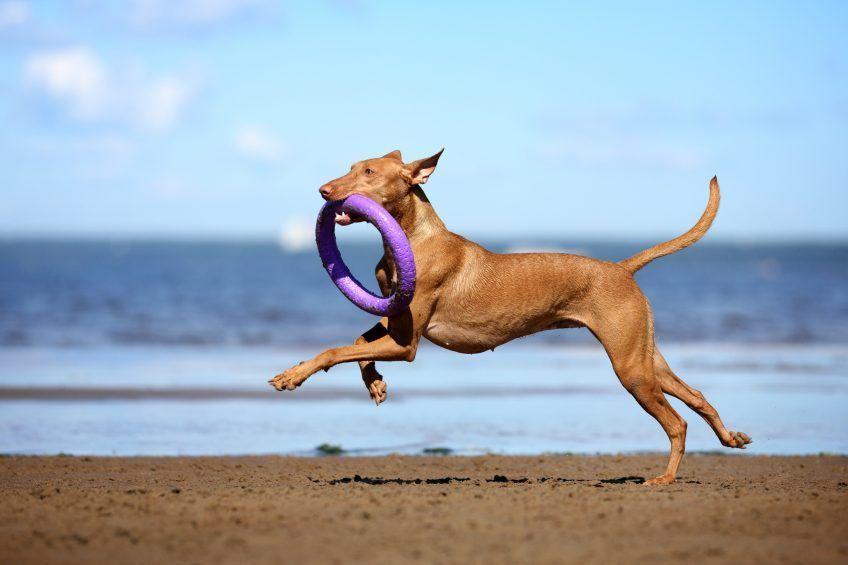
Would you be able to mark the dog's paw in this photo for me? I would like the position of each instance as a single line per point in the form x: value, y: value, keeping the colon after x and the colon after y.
x: 738, y: 440
x: 661, y: 480
x: 290, y: 379
x: 377, y: 389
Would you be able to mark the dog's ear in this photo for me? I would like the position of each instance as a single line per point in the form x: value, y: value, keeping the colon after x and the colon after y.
x: 394, y: 155
x: 417, y: 172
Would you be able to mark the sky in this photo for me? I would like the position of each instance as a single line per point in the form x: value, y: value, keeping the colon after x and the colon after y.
x: 221, y: 118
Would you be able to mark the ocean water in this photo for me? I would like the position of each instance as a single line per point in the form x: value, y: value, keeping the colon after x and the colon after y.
x: 172, y: 294
x: 164, y: 348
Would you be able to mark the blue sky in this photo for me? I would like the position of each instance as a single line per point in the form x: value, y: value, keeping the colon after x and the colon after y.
x: 220, y: 118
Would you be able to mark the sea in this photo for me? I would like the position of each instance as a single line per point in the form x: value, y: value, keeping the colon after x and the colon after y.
x: 164, y: 348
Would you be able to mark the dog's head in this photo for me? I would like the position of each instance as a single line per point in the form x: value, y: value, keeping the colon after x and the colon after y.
x: 386, y: 180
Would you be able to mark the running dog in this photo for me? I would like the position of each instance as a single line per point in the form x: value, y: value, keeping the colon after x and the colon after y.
x: 470, y: 300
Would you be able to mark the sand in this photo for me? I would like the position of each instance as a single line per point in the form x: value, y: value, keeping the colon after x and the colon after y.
x: 548, y: 509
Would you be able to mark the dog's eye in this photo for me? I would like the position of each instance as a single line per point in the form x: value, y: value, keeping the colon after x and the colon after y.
x: 369, y: 172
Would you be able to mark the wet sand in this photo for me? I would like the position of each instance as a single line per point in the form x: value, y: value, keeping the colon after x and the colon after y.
x: 491, y: 509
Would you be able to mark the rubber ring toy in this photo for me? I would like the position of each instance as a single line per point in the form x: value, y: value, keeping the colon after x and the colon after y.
x: 393, y: 237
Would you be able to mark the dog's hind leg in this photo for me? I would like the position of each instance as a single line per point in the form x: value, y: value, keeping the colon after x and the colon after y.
x: 640, y: 382
x: 676, y: 387
x: 628, y: 340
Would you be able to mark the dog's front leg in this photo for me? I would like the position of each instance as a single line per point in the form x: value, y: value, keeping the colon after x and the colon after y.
x: 396, y: 341
x: 373, y: 380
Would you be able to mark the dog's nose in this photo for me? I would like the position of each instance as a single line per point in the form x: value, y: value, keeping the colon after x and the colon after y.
x: 325, y: 190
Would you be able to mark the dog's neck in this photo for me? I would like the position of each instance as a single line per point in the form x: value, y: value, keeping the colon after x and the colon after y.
x: 416, y: 215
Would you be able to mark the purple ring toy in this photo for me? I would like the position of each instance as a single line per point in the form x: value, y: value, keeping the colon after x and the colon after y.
x: 393, y: 237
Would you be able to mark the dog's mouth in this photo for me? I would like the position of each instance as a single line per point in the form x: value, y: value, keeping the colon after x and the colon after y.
x: 346, y: 218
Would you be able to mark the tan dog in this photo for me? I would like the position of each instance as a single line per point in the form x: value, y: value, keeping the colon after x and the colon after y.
x: 471, y: 300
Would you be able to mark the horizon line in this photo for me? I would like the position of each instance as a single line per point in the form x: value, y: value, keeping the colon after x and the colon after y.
x: 82, y: 237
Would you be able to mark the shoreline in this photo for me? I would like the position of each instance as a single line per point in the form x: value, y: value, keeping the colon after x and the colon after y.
x: 421, y: 452
x: 494, y: 509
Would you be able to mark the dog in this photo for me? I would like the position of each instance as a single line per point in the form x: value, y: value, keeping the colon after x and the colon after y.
x: 470, y: 300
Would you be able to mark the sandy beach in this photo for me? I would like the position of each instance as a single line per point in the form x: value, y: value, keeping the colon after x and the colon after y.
x: 490, y: 509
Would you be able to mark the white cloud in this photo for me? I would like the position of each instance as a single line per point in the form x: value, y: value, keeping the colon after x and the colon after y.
x: 163, y: 103
x: 74, y: 77
x: 259, y: 144
x: 155, y: 14
x: 297, y: 234
x: 13, y: 14
x: 77, y: 82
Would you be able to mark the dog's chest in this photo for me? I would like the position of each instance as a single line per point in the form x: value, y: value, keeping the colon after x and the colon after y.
x: 459, y: 337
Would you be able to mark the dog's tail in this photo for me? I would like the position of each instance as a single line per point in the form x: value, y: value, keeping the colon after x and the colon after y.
x: 642, y: 258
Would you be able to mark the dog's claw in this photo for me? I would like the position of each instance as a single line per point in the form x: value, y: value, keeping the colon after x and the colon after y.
x: 739, y: 440
x: 661, y: 480
x: 377, y: 389
x: 290, y: 379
